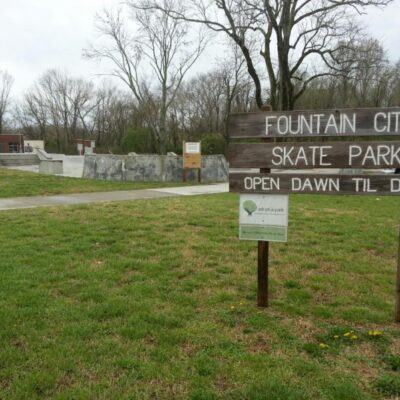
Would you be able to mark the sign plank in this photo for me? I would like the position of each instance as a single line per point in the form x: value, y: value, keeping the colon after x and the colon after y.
x: 191, y: 161
x: 315, y: 184
x: 315, y: 155
x: 191, y: 155
x: 322, y: 123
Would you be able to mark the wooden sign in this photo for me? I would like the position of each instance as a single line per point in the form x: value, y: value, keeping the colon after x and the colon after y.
x: 315, y: 184
x: 305, y: 154
x: 191, y: 155
x: 315, y: 155
x: 321, y: 123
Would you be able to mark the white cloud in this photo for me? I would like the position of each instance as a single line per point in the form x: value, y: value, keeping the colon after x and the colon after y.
x: 40, y: 34
x: 383, y: 23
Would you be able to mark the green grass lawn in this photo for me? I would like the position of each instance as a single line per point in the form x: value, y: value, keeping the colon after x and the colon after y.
x: 155, y: 299
x: 20, y: 183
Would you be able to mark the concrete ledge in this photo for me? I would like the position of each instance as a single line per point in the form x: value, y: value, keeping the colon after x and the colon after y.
x: 17, y: 159
x: 152, y: 168
x: 51, y: 167
x: 43, y: 156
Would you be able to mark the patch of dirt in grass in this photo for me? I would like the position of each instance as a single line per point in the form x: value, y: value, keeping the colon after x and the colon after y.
x: 66, y: 380
x: 337, y: 211
x: 150, y: 340
x: 127, y: 278
x: 366, y: 372
x: 153, y: 259
x: 88, y: 375
x: 323, y: 297
x: 189, y: 348
x: 166, y: 390
x: 305, y: 328
x: 395, y: 346
x: 257, y: 344
x: 96, y: 264
x: 207, y: 292
x: 225, y: 386
x: 188, y: 253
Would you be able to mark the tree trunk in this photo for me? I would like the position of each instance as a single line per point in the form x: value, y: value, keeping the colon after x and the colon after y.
x: 163, y: 120
x: 286, y: 98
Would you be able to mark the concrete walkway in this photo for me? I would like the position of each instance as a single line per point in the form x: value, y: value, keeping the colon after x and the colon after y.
x: 98, y: 197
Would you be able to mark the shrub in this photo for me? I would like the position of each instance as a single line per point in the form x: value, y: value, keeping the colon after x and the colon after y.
x: 138, y: 140
x: 213, y: 143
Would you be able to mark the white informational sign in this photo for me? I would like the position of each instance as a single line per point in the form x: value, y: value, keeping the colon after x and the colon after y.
x: 192, y: 147
x: 263, y: 217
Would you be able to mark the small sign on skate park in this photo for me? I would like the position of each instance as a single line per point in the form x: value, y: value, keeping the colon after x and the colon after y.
x: 263, y: 217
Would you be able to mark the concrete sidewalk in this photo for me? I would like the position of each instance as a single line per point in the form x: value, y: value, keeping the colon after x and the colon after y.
x: 98, y: 197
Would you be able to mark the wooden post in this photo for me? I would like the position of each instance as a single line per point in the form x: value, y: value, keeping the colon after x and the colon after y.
x: 398, y: 284
x: 263, y: 254
x: 183, y: 162
x: 262, y: 270
x: 199, y: 175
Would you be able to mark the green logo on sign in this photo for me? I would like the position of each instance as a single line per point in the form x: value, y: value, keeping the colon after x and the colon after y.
x: 249, y: 206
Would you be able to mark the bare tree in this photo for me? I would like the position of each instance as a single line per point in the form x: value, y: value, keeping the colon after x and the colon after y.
x: 293, y: 37
x: 212, y: 96
x: 235, y: 83
x: 32, y: 112
x: 368, y: 80
x: 393, y: 95
x: 6, y: 82
x: 162, y: 46
x: 204, y: 102
x: 59, y: 104
x: 112, y: 115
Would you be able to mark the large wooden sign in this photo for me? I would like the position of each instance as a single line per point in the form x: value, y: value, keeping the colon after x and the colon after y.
x: 191, y: 155
x: 321, y: 123
x: 315, y: 155
x: 315, y: 184
x: 302, y: 153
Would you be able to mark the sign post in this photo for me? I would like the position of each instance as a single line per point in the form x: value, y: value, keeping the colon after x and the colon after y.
x: 263, y: 267
x: 263, y: 254
x: 397, y: 316
x: 298, y: 153
x: 263, y: 218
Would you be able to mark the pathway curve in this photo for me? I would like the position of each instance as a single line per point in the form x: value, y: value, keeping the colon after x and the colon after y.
x: 97, y: 197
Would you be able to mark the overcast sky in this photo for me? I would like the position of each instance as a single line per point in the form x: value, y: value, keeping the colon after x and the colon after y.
x: 40, y: 34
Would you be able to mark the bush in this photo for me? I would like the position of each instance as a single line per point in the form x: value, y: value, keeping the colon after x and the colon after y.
x: 138, y: 140
x: 213, y: 143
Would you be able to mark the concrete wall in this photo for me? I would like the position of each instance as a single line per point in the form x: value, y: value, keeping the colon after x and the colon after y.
x: 18, y: 159
x: 51, y: 167
x: 152, y: 168
x: 35, y: 144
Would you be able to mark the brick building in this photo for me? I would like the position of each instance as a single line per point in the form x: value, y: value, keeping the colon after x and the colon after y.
x: 86, y: 146
x: 11, y: 143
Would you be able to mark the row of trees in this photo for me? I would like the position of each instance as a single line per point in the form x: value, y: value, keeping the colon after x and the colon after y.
x: 59, y: 109
x: 291, y: 54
